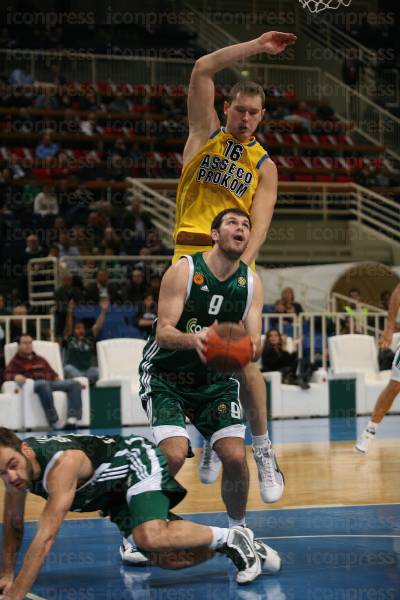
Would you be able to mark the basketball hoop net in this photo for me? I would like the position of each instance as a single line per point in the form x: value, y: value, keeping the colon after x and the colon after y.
x: 315, y: 6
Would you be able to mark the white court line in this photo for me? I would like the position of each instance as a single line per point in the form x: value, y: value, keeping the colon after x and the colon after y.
x: 34, y: 597
x: 329, y: 535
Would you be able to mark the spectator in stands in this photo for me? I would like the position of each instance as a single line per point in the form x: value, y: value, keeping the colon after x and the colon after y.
x: 68, y: 290
x: 66, y: 249
x: 111, y: 243
x: 117, y: 169
x: 19, y: 77
x: 25, y: 122
x: 275, y: 358
x: 303, y: 114
x: 33, y: 248
x: 154, y: 285
x: 26, y: 364
x: 147, y: 313
x: 54, y: 251
x: 366, y: 177
x: 351, y: 67
x: 6, y: 40
x: 96, y: 224
x: 80, y: 345
x: 355, y: 294
x: 88, y: 126
x: 102, y: 289
x: 154, y: 243
x: 46, y: 101
x: 384, y: 300
x: 4, y: 310
x: 89, y: 101
x: 46, y: 202
x: 120, y: 103
x: 324, y: 111
x: 135, y: 290
x: 47, y: 148
x: 19, y: 325
x: 17, y: 171
x: 120, y: 148
x: 287, y: 297
x: 91, y: 168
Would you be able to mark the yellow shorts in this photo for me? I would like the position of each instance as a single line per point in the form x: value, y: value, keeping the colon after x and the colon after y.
x: 181, y: 250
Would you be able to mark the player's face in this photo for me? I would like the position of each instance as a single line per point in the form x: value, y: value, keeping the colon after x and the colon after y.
x: 15, y: 469
x: 233, y: 235
x: 243, y: 115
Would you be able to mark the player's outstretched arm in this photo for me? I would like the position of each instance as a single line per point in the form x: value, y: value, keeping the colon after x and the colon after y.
x: 394, y: 306
x: 13, y: 531
x: 62, y: 483
x: 262, y: 209
x: 253, y: 321
x: 203, y: 119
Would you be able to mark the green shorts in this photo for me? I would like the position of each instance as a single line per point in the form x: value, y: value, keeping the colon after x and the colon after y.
x: 148, y: 492
x: 214, y: 409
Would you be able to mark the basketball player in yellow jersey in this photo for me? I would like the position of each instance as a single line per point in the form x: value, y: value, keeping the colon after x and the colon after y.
x: 224, y: 168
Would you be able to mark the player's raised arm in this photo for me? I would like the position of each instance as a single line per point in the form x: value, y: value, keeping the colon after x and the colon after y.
x: 262, y: 209
x: 394, y: 306
x: 203, y: 119
x: 13, y: 531
x: 253, y: 321
x: 61, y: 483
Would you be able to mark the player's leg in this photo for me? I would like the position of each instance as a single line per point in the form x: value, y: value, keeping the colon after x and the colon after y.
x: 167, y: 421
x: 180, y: 544
x: 253, y: 396
x: 382, y: 406
x: 235, y: 476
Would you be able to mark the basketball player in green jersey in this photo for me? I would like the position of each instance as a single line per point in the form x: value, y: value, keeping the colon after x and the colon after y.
x: 127, y: 478
x: 175, y: 381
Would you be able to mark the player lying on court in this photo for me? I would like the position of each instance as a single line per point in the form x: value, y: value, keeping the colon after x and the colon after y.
x: 226, y: 167
x: 126, y: 478
x: 174, y: 380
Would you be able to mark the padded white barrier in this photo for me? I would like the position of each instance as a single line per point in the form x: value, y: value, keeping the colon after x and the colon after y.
x: 31, y: 409
x: 119, y: 360
x: 355, y: 356
x: 291, y: 401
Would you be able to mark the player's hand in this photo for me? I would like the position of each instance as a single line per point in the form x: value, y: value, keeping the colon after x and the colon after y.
x: 386, y: 339
x: 201, y: 342
x: 20, y: 379
x: 6, y: 581
x: 275, y: 42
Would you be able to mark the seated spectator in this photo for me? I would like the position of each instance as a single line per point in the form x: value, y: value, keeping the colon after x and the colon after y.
x: 66, y: 249
x: 46, y: 102
x: 120, y: 104
x: 46, y: 202
x: 146, y: 315
x: 324, y: 111
x: 154, y: 243
x: 88, y: 126
x: 120, y: 148
x: 135, y: 290
x: 354, y: 294
x: 68, y: 290
x: 275, y: 358
x: 26, y: 364
x: 4, y: 310
x: 80, y: 345
x: 102, y: 289
x: 287, y: 297
x: 46, y: 149
x: 19, y: 77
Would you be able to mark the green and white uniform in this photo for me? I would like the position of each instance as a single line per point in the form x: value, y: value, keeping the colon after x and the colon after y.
x: 130, y: 483
x: 175, y: 384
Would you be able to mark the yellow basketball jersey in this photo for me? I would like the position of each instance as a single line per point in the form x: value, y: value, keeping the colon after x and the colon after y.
x: 223, y: 174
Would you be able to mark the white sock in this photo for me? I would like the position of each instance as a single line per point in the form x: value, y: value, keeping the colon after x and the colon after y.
x: 372, y: 426
x: 220, y: 536
x: 237, y: 522
x: 259, y: 441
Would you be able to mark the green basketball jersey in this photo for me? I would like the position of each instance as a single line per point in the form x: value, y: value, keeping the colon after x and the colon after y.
x: 111, y: 457
x: 207, y: 299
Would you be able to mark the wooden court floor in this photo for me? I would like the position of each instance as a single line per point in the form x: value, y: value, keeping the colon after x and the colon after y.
x: 316, y: 474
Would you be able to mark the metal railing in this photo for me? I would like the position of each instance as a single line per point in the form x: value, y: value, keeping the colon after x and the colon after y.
x: 337, y: 301
x: 39, y: 326
x: 314, y: 329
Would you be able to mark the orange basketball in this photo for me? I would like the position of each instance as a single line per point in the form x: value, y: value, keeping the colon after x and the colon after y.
x: 229, y: 347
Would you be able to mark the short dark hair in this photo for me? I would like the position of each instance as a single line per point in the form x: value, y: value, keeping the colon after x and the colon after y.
x: 216, y: 223
x: 19, y: 338
x: 249, y: 88
x: 8, y: 439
